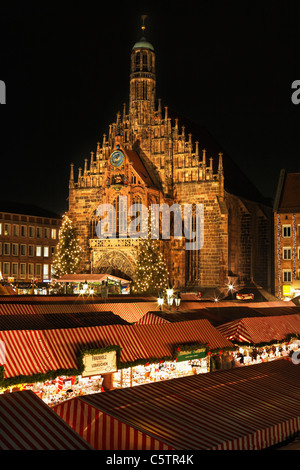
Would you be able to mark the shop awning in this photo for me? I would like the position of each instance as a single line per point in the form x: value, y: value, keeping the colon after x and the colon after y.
x: 27, y: 423
x: 128, y: 311
x: 49, y: 321
x: 249, y: 408
x: 261, y: 329
x: 81, y: 278
x: 215, y: 315
x: 29, y: 352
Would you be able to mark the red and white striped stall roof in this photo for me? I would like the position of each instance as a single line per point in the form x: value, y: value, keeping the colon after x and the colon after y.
x: 250, y: 408
x: 27, y: 423
x: 129, y: 311
x: 29, y: 352
x: 151, y: 319
x: 261, y: 329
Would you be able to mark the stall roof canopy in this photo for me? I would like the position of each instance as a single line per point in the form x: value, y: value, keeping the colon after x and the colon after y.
x: 51, y: 321
x: 261, y: 330
x: 76, y: 278
x: 128, y: 311
x: 215, y: 315
x: 247, y: 408
x: 27, y: 423
x: 30, y: 352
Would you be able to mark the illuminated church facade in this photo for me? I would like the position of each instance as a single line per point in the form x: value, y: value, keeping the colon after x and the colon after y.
x: 160, y: 161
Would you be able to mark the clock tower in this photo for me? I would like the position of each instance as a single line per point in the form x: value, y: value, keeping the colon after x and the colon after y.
x: 142, y: 83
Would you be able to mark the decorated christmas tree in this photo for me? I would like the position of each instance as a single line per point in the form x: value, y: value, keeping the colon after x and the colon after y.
x: 68, y: 251
x: 151, y: 274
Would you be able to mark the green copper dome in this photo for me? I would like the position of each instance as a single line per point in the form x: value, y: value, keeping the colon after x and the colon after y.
x: 144, y: 44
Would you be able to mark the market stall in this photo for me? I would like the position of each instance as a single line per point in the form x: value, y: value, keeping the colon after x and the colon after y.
x: 262, y: 339
x: 28, y: 424
x: 90, y: 284
x: 217, y: 411
x: 60, y: 363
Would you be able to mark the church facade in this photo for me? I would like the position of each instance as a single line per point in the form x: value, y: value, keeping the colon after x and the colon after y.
x: 150, y: 156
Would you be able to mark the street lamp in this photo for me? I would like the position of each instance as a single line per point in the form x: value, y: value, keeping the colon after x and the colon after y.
x: 160, y: 302
x: 177, y: 301
x: 230, y: 287
x: 170, y: 297
x: 170, y: 292
x: 170, y: 302
x: 85, y: 286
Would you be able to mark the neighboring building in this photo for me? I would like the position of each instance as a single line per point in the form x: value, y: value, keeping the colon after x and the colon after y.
x: 287, y: 235
x: 159, y: 162
x: 28, y: 237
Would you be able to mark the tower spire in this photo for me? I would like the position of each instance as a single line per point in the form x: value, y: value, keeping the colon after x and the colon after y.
x: 142, y: 81
x: 143, y: 27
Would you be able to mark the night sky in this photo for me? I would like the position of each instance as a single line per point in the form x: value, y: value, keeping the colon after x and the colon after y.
x: 228, y: 66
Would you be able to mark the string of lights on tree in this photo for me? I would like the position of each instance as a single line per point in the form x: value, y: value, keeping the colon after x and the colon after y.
x: 68, y: 251
x: 151, y: 274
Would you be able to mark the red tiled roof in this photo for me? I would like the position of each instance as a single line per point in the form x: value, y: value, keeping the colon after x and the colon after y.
x: 140, y: 168
x: 290, y: 194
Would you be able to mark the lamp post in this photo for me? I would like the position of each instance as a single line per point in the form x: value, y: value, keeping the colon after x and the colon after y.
x: 177, y: 301
x: 230, y: 287
x: 170, y: 297
x: 160, y: 302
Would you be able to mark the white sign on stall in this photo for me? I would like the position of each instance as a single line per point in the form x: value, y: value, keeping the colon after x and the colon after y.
x: 99, y: 364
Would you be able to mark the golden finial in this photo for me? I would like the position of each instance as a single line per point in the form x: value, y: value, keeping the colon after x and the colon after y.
x: 143, y: 20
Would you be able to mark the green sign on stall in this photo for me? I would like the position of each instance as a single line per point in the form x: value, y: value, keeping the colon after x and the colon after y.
x: 191, y: 355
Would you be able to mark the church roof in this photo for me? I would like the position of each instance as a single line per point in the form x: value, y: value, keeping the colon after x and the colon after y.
x: 235, y: 181
x: 288, y: 193
x: 140, y: 168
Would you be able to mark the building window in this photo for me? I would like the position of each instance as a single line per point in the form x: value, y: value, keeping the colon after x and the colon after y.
x: 14, y: 270
x: 0, y: 249
x: 46, y: 271
x: 287, y: 275
x: 23, y: 231
x: 15, y: 249
x: 6, y: 249
x: 38, y: 270
x: 6, y: 269
x: 15, y: 230
x: 38, y: 251
x: 53, y: 233
x: 22, y: 270
x: 30, y: 270
x: 52, y: 250
x: 287, y: 253
x: 286, y: 231
x: 46, y: 232
x: 23, y: 250
x: 7, y: 229
x: 30, y: 250
x: 38, y: 232
x: 31, y: 232
x: 1, y: 228
x: 298, y: 252
x: 46, y: 251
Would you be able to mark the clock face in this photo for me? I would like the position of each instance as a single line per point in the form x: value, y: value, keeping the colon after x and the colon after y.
x: 117, y: 158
